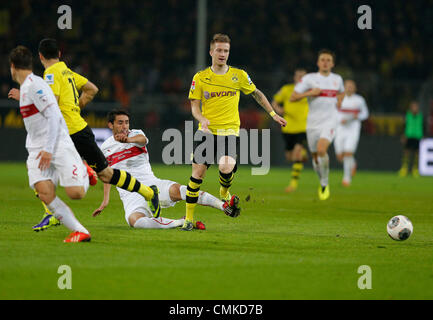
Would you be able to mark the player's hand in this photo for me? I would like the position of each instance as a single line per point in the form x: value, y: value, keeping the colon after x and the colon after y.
x: 101, y: 208
x: 14, y: 94
x: 121, y: 137
x: 45, y: 161
x: 315, y: 92
x: 280, y: 120
x: 205, y: 125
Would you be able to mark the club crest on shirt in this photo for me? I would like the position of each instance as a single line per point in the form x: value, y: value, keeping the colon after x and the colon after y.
x: 192, y: 85
x: 49, y: 78
x: 235, y: 77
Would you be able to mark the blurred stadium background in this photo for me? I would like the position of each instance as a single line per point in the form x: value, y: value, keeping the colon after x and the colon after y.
x: 143, y: 54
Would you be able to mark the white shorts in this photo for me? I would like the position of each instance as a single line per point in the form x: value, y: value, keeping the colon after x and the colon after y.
x: 66, y: 168
x: 134, y: 202
x: 346, y: 140
x: 314, y: 135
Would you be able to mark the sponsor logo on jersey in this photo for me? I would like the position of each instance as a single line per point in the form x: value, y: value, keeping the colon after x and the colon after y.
x: 209, y: 95
x: 42, y: 96
x: 192, y: 85
x: 49, y: 78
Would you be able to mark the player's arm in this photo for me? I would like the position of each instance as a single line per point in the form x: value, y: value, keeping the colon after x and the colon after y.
x: 196, y: 113
x: 88, y: 92
x: 14, y: 93
x: 138, y: 139
x: 340, y: 98
x: 277, y: 107
x: 296, y: 96
x: 104, y: 204
x: 264, y: 103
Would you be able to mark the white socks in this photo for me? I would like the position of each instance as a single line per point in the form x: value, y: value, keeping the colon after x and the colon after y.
x: 204, y: 199
x: 64, y: 214
x: 158, y: 223
x: 348, y: 165
x: 322, y: 169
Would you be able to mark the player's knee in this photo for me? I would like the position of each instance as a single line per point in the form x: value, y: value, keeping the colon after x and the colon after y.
x: 226, y: 164
x: 75, y: 193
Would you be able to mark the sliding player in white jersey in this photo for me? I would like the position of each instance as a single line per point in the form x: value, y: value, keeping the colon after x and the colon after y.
x: 52, y: 158
x: 126, y: 150
x: 324, y: 91
x: 353, y: 110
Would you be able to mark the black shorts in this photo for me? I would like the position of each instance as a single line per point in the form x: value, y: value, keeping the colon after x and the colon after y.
x: 412, y: 144
x: 211, y: 148
x: 292, y: 139
x: 86, y: 146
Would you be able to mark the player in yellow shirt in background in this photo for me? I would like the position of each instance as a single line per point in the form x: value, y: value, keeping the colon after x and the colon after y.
x: 66, y: 85
x: 218, y: 89
x: 295, y: 138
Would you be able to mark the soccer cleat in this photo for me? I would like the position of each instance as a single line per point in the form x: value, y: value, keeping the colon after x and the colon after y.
x: 93, y: 177
x: 199, y: 225
x: 232, y: 208
x: 415, y: 173
x: 47, y: 221
x: 324, y: 192
x: 345, y: 183
x: 78, y: 237
x: 154, y: 202
x: 187, y: 226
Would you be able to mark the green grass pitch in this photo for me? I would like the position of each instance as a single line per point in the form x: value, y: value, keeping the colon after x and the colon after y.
x: 280, y: 247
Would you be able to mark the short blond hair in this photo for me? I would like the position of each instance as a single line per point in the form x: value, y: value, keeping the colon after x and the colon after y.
x: 219, y: 37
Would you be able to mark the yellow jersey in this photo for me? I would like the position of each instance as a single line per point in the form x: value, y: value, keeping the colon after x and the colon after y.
x: 295, y: 113
x: 219, y: 95
x: 65, y: 84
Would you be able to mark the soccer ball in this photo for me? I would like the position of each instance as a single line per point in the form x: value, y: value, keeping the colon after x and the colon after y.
x: 399, y: 228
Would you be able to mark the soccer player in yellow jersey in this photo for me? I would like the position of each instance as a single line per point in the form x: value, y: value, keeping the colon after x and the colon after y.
x: 218, y: 89
x: 66, y: 85
x: 295, y: 113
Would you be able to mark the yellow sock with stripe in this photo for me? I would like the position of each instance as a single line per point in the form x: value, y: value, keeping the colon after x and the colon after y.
x: 47, y: 211
x: 296, y: 172
x: 226, y: 180
x: 192, y: 193
x: 124, y: 180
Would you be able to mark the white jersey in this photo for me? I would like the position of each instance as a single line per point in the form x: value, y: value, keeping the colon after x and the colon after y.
x: 131, y: 157
x: 35, y: 97
x: 352, y: 106
x: 322, y: 110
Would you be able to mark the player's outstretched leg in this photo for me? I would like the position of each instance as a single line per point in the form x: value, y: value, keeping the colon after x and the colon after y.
x: 48, y: 220
x: 323, y: 167
x: 124, y: 180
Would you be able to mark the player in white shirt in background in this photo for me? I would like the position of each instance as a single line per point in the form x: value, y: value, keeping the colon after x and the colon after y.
x: 324, y: 91
x: 353, y: 110
x: 52, y: 158
x: 126, y: 150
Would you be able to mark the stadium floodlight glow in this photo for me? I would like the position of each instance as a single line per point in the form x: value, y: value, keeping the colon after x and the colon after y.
x: 426, y: 157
